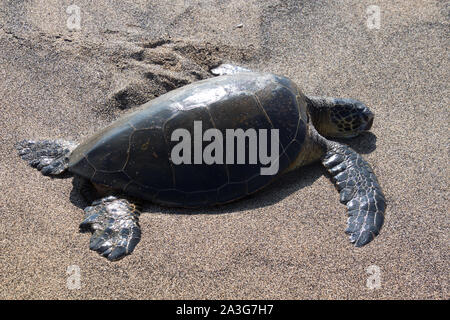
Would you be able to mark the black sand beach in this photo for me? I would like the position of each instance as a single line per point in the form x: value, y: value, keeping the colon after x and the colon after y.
x: 286, y: 242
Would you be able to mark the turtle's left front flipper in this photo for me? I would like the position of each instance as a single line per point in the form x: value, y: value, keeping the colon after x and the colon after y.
x: 359, y: 189
x: 51, y: 157
x: 114, y: 226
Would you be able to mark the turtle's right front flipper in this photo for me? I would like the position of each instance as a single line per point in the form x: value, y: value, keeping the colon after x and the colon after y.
x: 114, y: 226
x: 359, y: 189
x: 51, y: 157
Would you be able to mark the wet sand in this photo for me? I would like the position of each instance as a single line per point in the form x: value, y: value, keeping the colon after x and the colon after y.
x: 286, y: 242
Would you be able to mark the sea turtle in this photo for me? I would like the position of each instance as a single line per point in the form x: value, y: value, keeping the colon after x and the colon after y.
x: 131, y: 159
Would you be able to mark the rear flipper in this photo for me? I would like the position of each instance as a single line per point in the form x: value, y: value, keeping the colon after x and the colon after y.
x: 49, y: 157
x: 359, y: 189
x: 114, y: 226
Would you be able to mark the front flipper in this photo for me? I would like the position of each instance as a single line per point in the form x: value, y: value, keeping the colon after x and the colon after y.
x: 359, y: 189
x: 227, y: 69
x: 114, y: 226
x: 51, y: 157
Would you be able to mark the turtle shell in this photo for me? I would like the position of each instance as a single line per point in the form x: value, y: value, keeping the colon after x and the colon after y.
x: 133, y: 153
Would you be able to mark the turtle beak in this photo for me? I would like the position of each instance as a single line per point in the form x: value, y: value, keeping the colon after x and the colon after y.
x: 369, y: 123
x: 367, y: 115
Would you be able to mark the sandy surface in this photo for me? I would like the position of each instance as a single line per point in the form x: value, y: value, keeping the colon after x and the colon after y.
x: 285, y: 242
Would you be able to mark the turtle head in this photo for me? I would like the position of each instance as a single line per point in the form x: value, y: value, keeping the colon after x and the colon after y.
x: 341, y: 118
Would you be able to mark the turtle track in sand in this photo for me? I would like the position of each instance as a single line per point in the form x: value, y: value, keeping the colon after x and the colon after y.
x: 149, y: 69
x: 136, y: 70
